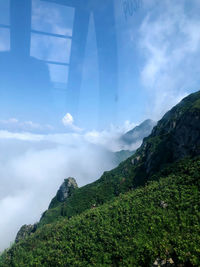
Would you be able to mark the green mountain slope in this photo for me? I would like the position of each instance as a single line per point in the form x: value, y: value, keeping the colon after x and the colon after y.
x: 147, y: 208
x: 158, y: 221
x: 176, y: 135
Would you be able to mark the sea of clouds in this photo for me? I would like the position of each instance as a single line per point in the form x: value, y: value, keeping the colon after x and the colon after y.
x: 33, y: 166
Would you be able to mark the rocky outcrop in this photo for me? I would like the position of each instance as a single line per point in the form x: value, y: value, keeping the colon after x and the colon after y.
x: 163, y: 263
x: 66, y: 189
x: 64, y: 192
x: 25, y: 231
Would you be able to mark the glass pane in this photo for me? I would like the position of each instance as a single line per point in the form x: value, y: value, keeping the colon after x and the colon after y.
x: 58, y: 74
x: 5, y: 13
x: 43, y: 12
x: 76, y: 77
x: 4, y: 39
x: 50, y: 48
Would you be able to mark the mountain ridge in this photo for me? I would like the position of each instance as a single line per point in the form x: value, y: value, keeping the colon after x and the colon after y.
x: 138, y: 133
x: 157, y: 150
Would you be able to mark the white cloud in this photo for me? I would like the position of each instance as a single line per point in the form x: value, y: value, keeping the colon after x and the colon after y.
x: 68, y: 119
x: 109, y: 138
x: 9, y: 121
x: 68, y: 122
x: 170, y: 44
x: 32, y: 167
x: 15, y: 125
x: 20, y: 136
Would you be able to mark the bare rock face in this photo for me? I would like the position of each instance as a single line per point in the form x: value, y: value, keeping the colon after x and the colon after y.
x: 64, y: 192
x: 163, y: 263
x: 25, y: 231
x: 66, y: 189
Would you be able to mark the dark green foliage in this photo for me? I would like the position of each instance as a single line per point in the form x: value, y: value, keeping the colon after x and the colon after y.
x: 132, y: 230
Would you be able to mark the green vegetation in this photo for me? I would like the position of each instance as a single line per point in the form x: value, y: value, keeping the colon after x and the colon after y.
x: 146, y: 208
x: 189, y: 103
x: 161, y: 219
x: 196, y: 105
x: 110, y: 185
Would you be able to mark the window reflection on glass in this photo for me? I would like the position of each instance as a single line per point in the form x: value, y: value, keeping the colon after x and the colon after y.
x: 5, y: 13
x: 51, y: 39
x: 50, y: 48
x: 100, y: 54
x: 4, y: 39
x: 4, y: 25
x: 58, y: 75
x: 52, y: 18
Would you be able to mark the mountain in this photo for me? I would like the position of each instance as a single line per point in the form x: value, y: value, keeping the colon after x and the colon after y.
x: 122, y: 155
x: 155, y: 223
x: 143, y: 212
x: 137, y: 134
x: 119, y: 156
x: 131, y: 140
x: 176, y: 135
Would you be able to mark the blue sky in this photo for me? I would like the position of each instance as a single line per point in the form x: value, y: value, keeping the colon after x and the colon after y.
x: 158, y: 63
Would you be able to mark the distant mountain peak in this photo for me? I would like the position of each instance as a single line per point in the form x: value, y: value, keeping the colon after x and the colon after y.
x: 138, y: 133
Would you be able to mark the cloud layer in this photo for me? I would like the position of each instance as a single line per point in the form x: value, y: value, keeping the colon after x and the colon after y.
x: 16, y: 125
x: 170, y: 44
x: 32, y: 167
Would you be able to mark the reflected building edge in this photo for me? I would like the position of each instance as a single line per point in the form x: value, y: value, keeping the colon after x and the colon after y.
x: 30, y: 79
